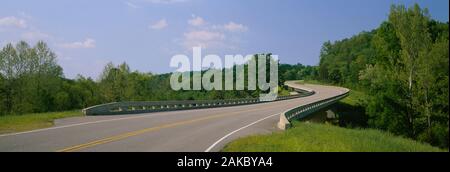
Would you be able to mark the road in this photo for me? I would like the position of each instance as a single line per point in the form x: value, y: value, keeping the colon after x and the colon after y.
x: 195, y: 130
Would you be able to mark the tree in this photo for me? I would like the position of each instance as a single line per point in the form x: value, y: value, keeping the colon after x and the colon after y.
x: 403, y: 67
x: 411, y: 27
x: 45, y: 78
x: 8, y: 63
x: 30, y: 77
x: 3, y: 109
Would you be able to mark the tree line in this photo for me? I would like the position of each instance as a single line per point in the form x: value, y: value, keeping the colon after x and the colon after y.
x: 403, y: 66
x: 31, y: 81
x: 297, y: 71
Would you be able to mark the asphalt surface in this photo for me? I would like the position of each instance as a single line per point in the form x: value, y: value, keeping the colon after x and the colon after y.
x: 177, y: 131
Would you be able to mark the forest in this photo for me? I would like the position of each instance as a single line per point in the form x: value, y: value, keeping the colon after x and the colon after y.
x: 403, y: 67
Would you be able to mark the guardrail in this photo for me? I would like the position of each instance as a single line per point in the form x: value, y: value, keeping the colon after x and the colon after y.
x: 304, y: 110
x: 158, y: 106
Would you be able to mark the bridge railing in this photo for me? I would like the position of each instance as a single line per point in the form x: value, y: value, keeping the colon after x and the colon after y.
x: 302, y: 111
x: 133, y: 107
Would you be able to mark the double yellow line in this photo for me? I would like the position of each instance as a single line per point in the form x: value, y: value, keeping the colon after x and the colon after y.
x: 138, y: 132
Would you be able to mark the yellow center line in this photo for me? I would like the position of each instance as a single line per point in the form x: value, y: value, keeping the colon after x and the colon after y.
x: 138, y: 132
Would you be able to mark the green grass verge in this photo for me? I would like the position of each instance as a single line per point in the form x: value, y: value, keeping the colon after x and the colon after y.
x: 17, y: 123
x: 312, y: 137
x: 351, y: 110
x: 316, y: 82
x: 283, y: 92
x: 355, y: 98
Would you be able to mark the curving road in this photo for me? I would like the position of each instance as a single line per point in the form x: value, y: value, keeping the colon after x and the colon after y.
x: 188, y: 130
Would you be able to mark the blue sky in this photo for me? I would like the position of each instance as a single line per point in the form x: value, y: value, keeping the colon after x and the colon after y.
x: 87, y: 34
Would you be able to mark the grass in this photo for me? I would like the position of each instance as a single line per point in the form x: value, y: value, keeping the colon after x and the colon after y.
x: 351, y: 110
x: 283, y: 92
x: 312, y: 137
x: 355, y: 98
x: 18, y: 123
x: 316, y: 82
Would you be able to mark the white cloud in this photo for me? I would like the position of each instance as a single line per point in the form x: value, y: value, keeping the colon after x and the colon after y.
x: 204, y: 35
x: 196, y: 21
x: 87, y: 43
x: 210, y: 36
x: 34, y: 35
x: 234, y: 27
x: 12, y: 21
x: 131, y: 5
x: 161, y: 24
x: 203, y: 38
x: 165, y: 1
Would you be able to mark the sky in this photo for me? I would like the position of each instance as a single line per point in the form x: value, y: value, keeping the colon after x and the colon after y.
x: 146, y: 34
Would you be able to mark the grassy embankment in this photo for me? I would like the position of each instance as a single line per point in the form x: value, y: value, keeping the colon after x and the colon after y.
x: 314, y: 137
x: 18, y: 123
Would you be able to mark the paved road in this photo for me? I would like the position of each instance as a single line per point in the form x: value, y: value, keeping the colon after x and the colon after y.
x: 188, y: 130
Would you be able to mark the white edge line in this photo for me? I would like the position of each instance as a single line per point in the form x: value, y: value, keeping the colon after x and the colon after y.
x: 231, y: 133
x: 73, y: 125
